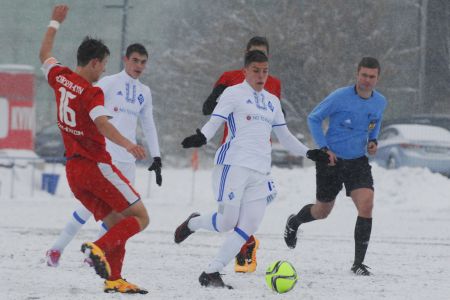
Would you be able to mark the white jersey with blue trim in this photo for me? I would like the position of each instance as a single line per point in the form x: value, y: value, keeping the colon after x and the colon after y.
x: 128, y: 99
x: 250, y: 115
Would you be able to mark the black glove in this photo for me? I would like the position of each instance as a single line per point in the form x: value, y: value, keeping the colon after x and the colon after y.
x: 156, y: 166
x: 195, y: 140
x: 318, y: 155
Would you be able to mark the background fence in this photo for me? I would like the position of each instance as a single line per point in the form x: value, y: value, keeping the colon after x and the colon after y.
x: 25, y: 177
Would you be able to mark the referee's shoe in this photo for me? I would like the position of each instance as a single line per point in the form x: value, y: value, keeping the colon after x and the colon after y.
x: 361, y: 269
x: 290, y: 233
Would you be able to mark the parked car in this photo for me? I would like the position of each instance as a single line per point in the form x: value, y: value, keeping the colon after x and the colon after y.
x: 440, y: 120
x: 414, y: 145
x: 48, y: 143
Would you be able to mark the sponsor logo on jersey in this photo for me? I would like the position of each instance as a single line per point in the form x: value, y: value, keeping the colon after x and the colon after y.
x: 259, y: 118
x: 70, y: 130
x: 119, y: 93
x: 126, y: 111
x: 231, y: 196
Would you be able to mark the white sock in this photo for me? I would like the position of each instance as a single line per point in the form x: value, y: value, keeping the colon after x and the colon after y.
x: 202, y: 222
x: 227, y: 252
x: 70, y: 230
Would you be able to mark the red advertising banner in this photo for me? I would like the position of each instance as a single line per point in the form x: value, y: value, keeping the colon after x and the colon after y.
x: 17, y: 107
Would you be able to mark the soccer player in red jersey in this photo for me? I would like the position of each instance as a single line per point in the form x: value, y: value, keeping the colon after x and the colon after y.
x: 93, y: 179
x: 246, y: 258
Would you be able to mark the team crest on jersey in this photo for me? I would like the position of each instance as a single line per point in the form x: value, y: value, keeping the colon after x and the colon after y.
x: 372, y: 125
x: 141, y: 99
x: 249, y: 101
x: 270, y: 106
x: 231, y: 196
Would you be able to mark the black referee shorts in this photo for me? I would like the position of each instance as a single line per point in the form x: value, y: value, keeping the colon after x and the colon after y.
x: 353, y: 173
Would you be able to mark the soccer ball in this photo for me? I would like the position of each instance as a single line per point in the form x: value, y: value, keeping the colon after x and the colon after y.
x: 281, y: 276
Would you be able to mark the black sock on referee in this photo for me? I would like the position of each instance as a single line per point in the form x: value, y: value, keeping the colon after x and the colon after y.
x: 363, y: 228
x: 303, y: 216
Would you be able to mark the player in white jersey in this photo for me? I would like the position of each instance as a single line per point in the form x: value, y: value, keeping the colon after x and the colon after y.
x: 241, y: 178
x: 127, y: 99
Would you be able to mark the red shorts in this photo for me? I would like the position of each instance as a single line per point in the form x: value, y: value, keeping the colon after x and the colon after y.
x: 100, y: 187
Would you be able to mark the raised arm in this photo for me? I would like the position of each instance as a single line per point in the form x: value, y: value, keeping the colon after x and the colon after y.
x: 58, y: 15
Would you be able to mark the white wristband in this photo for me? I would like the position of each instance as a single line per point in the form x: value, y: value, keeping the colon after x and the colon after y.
x: 54, y: 24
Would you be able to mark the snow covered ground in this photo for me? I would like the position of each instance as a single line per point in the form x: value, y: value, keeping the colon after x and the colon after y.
x: 409, y: 251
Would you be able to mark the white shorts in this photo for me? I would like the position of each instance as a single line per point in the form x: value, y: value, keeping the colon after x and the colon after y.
x: 235, y: 184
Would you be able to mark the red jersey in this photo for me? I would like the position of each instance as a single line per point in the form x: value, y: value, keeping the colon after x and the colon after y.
x: 78, y: 103
x: 230, y: 78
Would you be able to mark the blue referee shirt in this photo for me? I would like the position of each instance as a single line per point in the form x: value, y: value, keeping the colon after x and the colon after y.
x: 352, y: 121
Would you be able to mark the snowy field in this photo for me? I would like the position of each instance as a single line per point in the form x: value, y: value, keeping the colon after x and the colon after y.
x: 409, y: 252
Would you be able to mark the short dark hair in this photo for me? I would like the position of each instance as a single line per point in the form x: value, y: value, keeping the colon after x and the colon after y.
x: 255, y: 56
x: 369, y: 62
x: 139, y: 48
x: 258, y: 41
x: 91, y: 49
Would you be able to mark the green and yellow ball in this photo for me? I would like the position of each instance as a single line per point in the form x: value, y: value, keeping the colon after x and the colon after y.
x: 281, y: 276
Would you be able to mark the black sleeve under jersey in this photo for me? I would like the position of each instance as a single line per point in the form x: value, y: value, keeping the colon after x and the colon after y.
x: 211, y: 101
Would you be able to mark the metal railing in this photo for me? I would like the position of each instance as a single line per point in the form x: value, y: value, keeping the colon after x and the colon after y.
x: 25, y: 175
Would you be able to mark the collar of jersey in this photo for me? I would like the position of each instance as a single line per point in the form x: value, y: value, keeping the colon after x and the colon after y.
x: 128, y: 77
x: 248, y: 86
x: 356, y: 93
